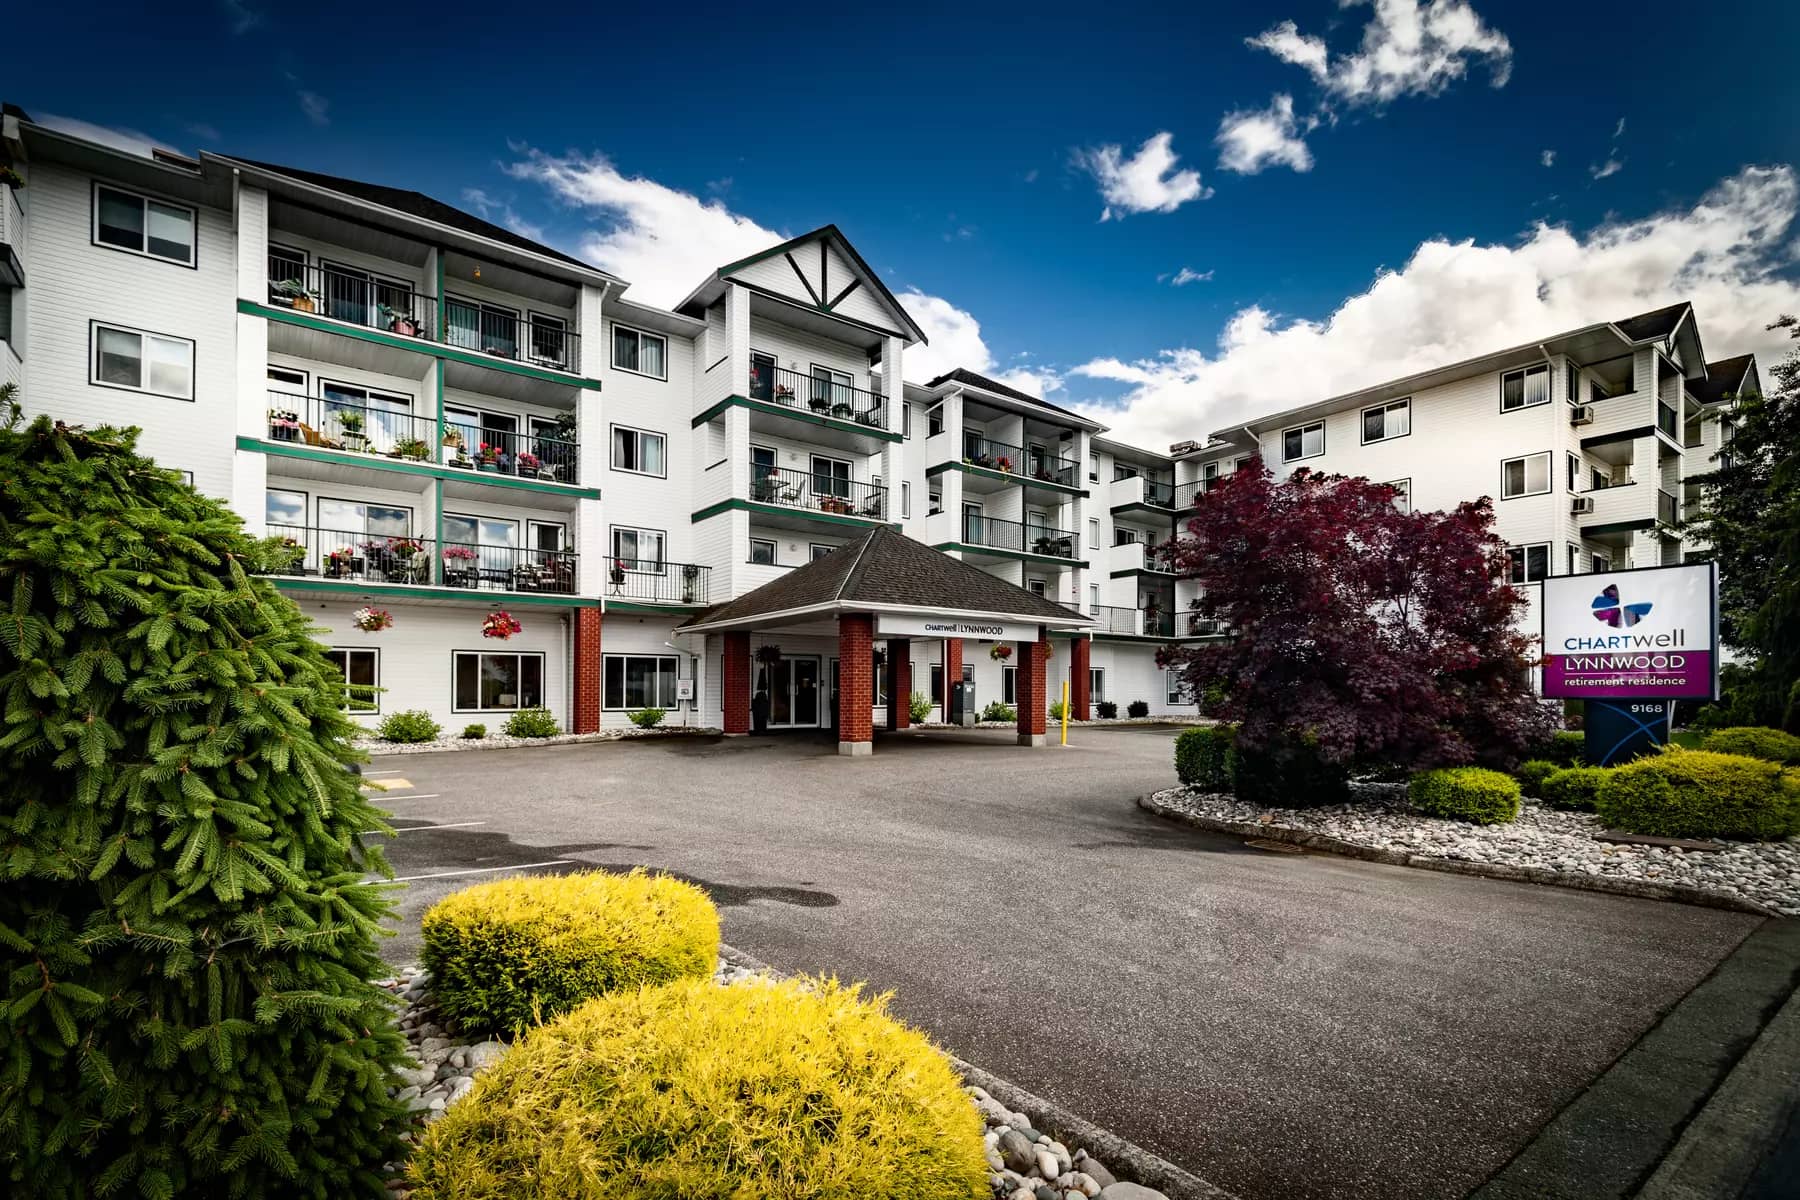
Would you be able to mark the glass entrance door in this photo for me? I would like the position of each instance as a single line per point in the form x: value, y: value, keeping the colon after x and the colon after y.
x: 794, y: 694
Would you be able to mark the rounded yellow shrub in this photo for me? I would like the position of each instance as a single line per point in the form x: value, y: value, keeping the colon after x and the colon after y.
x: 514, y: 952
x: 695, y: 1091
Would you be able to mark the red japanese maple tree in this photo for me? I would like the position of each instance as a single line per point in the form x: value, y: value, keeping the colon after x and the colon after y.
x: 1378, y: 635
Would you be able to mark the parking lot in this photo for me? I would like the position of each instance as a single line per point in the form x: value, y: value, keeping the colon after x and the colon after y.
x: 1283, y: 1025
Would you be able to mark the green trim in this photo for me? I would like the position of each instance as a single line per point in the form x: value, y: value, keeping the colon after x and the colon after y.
x: 1005, y: 477
x: 430, y: 470
x: 351, y: 587
x: 431, y: 349
x: 1125, y: 574
x: 437, y: 500
x: 443, y: 315
x: 1025, y: 556
x: 1619, y: 527
x: 781, y: 410
x: 782, y: 510
x: 654, y: 610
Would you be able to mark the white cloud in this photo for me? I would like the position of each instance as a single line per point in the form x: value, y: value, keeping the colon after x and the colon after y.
x: 1612, y: 166
x: 1147, y: 181
x: 492, y: 208
x: 1548, y: 158
x: 1408, y: 48
x: 1184, y: 277
x: 1619, y: 129
x: 316, y: 107
x: 118, y: 137
x: 1731, y: 253
x: 1251, y: 139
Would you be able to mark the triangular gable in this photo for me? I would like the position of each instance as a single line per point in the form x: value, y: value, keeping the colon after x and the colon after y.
x: 821, y: 270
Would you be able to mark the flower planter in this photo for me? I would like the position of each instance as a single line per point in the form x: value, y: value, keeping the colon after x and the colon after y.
x: 491, y: 467
x: 303, y: 304
x: 406, y: 326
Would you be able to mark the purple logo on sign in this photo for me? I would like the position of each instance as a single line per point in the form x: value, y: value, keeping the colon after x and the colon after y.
x: 1608, y: 610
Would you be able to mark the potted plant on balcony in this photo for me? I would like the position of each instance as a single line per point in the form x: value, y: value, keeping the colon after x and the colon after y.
x: 413, y: 448
x: 340, y: 562
x: 399, y: 321
x: 1003, y: 463
x: 487, y: 458
x: 690, y: 583
x: 842, y: 411
x: 291, y: 293
x: 288, y: 556
x: 531, y: 464
x: 818, y: 402
x: 352, y: 423
x: 459, y: 566
x: 405, y: 546
x: 784, y: 394
x: 284, y: 425
x: 617, y: 574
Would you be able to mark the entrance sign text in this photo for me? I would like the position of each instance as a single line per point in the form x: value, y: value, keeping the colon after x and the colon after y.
x: 952, y: 627
x: 1649, y: 634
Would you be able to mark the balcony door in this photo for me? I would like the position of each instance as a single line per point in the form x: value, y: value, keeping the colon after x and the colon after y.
x: 488, y: 328
x: 350, y: 413
x: 830, y: 387
x: 489, y: 546
x: 794, y: 693
x: 360, y: 297
x: 831, y: 476
x: 762, y: 376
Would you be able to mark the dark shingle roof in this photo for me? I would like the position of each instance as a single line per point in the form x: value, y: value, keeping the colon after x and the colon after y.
x: 1659, y: 323
x: 1723, y: 378
x: 964, y: 375
x: 418, y: 204
x: 884, y: 566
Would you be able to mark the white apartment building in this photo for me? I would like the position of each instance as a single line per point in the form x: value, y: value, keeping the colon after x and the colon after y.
x: 449, y: 421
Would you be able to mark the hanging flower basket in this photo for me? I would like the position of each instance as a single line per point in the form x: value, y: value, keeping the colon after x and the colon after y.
x: 768, y: 654
x: 1001, y: 652
x: 372, y: 620
x: 500, y: 625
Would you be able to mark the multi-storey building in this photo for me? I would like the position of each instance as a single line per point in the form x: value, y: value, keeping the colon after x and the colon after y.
x: 448, y: 420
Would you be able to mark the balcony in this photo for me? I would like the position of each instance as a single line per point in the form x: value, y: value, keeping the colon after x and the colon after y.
x: 401, y: 436
x: 399, y: 309
x: 12, y: 238
x: 810, y: 496
x: 1140, y: 494
x: 653, y: 581
x: 1134, y: 622
x: 1017, y: 537
x: 1135, y: 558
x: 1668, y: 509
x: 358, y: 556
x: 990, y: 466
x: 1188, y: 494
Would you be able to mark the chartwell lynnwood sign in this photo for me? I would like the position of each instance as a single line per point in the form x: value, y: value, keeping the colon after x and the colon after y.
x: 951, y: 627
x: 1648, y: 634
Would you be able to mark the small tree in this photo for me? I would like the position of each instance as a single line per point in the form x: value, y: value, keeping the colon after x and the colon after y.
x: 1374, y: 635
x: 186, y: 934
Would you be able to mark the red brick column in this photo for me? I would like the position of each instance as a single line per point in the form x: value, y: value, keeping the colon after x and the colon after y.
x: 899, y: 683
x: 1033, y: 704
x: 856, y: 685
x: 735, y: 687
x: 952, y: 667
x: 587, y: 671
x: 1080, y: 680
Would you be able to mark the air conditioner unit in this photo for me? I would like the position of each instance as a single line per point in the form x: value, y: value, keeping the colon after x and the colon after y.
x: 1180, y: 448
x: 1581, y: 414
x: 1581, y: 504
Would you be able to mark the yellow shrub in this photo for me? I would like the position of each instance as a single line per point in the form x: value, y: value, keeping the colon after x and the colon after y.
x: 507, y: 954
x: 694, y: 1091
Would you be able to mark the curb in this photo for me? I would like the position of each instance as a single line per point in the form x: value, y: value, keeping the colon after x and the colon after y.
x: 1641, y: 889
x: 1126, y: 1158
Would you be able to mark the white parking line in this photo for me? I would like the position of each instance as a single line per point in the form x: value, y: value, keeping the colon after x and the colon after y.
x: 422, y: 828
x: 373, y: 774
x: 555, y: 862
x: 415, y: 796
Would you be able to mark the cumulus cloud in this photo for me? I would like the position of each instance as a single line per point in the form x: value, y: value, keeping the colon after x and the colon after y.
x: 1548, y: 158
x: 1184, y: 277
x: 1147, y: 181
x: 1408, y: 48
x: 1731, y: 253
x: 1251, y: 139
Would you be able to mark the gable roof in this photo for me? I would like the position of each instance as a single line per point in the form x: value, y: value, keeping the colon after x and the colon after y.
x: 1723, y: 378
x: 1654, y: 325
x: 885, y: 568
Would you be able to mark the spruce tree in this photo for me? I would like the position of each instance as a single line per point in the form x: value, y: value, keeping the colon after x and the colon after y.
x: 187, y: 940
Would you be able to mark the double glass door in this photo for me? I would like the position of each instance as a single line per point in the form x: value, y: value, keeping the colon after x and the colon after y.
x: 794, y: 701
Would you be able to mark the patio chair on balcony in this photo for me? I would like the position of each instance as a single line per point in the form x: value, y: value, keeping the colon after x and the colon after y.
x: 314, y: 438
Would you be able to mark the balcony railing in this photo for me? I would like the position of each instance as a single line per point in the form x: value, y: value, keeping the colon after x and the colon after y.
x: 819, y: 394
x: 328, y: 424
x: 1027, y: 463
x: 817, y: 491
x: 1188, y: 494
x: 12, y: 221
x: 1668, y: 420
x: 1668, y: 508
x: 358, y: 556
x: 1143, y: 622
x: 1025, y: 537
x: 506, y: 452
x: 394, y: 306
x: 658, y: 582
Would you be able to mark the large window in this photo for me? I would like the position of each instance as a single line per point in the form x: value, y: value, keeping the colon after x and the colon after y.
x: 360, y: 518
x: 1009, y: 685
x: 1527, y: 564
x: 640, y: 353
x: 633, y: 681
x: 361, y: 670
x: 1386, y: 421
x: 142, y: 362
x: 762, y: 550
x: 1528, y: 476
x: 1525, y: 388
x: 126, y: 221
x: 498, y: 682
x: 639, y: 451
x: 831, y: 476
x: 1303, y: 441
x: 638, y: 549
x: 283, y: 508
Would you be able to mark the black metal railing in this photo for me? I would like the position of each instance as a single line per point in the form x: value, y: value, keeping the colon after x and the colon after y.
x: 1159, y: 492
x: 1148, y: 622
x: 1668, y: 420
x: 392, y: 306
x: 658, y: 582
x: 817, y: 490
x: 1188, y: 494
x: 507, y: 452
x: 819, y: 394
x: 500, y: 333
x: 1026, y: 537
x: 1668, y: 508
x: 332, y: 424
x: 985, y: 452
x: 358, y: 556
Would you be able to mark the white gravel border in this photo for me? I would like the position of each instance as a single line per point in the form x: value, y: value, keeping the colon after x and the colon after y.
x: 372, y: 745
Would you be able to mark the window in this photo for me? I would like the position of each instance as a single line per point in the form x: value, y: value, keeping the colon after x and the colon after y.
x: 498, y: 682
x: 879, y: 669
x: 1528, y: 476
x: 144, y: 226
x: 1574, y: 476
x: 905, y: 499
x: 1386, y: 421
x: 1402, y: 494
x: 355, y: 295
x: 937, y: 683
x: 1572, y: 386
x: 1600, y: 564
x: 762, y: 550
x: 361, y: 671
x: 934, y: 503
x: 1093, y: 469
x: 638, y: 549
x: 1124, y: 471
x: 1096, y: 683
x: 819, y: 550
x: 1009, y: 685
x: 284, y: 509
x: 288, y: 377
x: 1093, y: 598
x: 632, y: 681
x: 1527, y: 564
x: 934, y: 420
x: 1035, y: 586
x: 142, y: 362
x: 638, y: 451
x: 1093, y: 533
x: 547, y: 537
x: 1574, y: 559
x: 831, y: 386
x: 1303, y: 441
x: 549, y: 339
x: 906, y: 421
x: 1525, y: 388
x: 830, y: 476
x: 1123, y: 536
x: 1175, y: 688
x: 640, y: 353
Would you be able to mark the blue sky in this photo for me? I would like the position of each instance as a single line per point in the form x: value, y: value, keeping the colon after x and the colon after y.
x: 966, y: 150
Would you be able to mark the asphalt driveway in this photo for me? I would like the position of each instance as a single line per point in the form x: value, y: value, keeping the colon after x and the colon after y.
x: 1283, y: 1025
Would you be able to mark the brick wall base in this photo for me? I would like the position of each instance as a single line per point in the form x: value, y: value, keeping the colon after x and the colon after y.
x: 1034, y: 715
x: 856, y: 683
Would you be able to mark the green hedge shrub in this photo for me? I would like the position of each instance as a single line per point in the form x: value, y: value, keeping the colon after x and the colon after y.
x: 1565, y: 748
x: 996, y: 711
x: 1106, y: 710
x: 1204, y: 757
x: 510, y: 953
x: 1138, y: 708
x: 920, y: 706
x: 409, y: 725
x: 1574, y: 787
x: 1289, y: 774
x: 801, y: 1088
x: 531, y: 723
x: 1702, y: 794
x: 1056, y: 711
x: 1531, y: 775
x: 1473, y: 794
x: 1755, y: 741
x: 647, y: 718
x: 475, y: 732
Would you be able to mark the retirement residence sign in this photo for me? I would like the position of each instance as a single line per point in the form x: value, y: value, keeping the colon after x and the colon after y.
x: 1648, y: 634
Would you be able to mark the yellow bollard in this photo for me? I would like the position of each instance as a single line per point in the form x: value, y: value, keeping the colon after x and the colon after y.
x: 1065, y: 712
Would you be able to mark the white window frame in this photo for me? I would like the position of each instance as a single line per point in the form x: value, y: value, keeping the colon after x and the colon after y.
x: 1036, y: 585
x: 373, y: 703
x: 1175, y: 689
x: 1524, y: 374
x: 1521, y: 572
x: 521, y: 655
x: 661, y: 701
x: 1093, y: 598
x: 638, y: 533
x: 906, y: 422
x: 640, y: 434
x: 1096, y: 683
x: 1402, y: 493
x: 142, y: 388
x: 934, y: 420
x: 770, y: 543
x: 191, y: 262
x: 1009, y: 686
x: 813, y: 549
x: 613, y: 350
x: 1301, y: 430
x: 1093, y: 533
x: 905, y: 500
x: 1387, y: 435
x: 1549, y: 480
